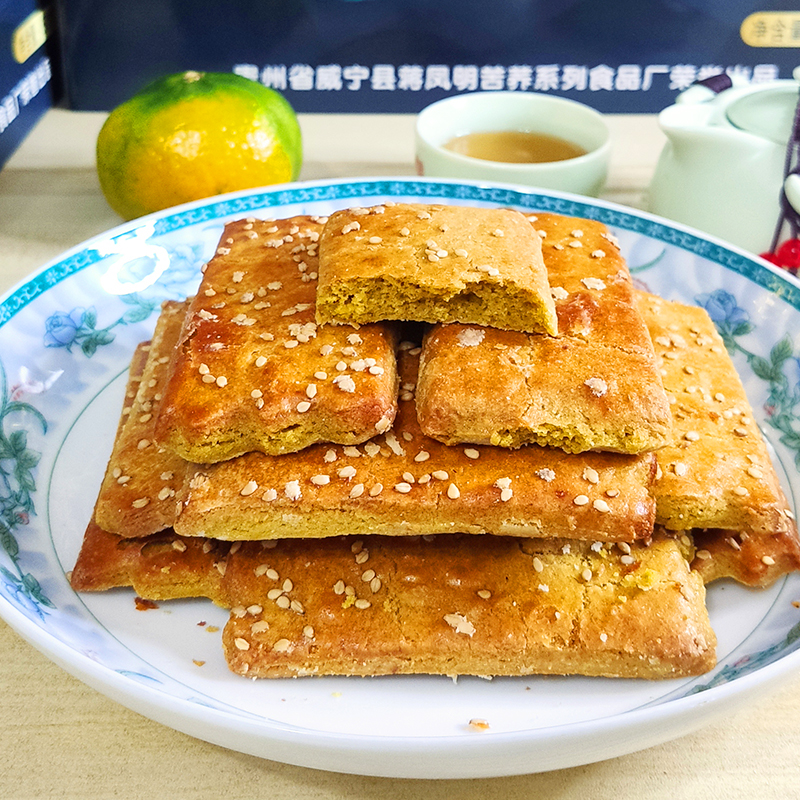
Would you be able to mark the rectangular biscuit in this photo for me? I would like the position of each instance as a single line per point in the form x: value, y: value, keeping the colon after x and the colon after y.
x: 715, y: 477
x: 137, y: 495
x: 715, y: 472
x: 253, y: 371
x: 451, y: 604
x: 594, y: 387
x: 432, y: 263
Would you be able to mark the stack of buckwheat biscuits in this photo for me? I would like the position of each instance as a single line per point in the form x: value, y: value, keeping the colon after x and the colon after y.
x: 436, y: 439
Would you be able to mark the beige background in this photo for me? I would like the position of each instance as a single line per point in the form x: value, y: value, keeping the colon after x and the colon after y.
x: 61, y: 739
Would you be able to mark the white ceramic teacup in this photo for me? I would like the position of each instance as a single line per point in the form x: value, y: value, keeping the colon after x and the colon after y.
x: 476, y: 112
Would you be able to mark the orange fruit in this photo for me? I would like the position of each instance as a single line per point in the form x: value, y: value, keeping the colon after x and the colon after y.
x: 193, y: 135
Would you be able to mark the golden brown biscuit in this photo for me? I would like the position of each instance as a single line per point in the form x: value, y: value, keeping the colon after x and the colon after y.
x: 254, y: 371
x: 431, y: 263
x: 715, y: 477
x: 716, y: 471
x: 161, y: 566
x: 457, y: 605
x: 749, y: 558
x: 594, y: 387
x: 137, y: 496
x: 453, y: 605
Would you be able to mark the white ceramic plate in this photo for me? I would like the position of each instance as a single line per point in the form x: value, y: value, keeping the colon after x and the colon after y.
x: 66, y: 336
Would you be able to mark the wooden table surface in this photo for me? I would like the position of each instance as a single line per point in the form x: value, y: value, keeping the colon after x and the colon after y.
x: 59, y: 738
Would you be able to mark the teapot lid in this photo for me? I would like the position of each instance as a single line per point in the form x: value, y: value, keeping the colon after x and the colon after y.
x: 768, y: 113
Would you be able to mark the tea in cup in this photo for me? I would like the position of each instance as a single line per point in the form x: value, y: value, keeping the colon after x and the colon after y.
x: 515, y: 137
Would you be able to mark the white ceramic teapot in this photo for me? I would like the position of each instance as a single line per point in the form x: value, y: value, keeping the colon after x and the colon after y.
x: 722, y: 168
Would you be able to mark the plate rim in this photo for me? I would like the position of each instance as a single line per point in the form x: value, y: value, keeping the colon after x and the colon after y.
x: 776, y: 275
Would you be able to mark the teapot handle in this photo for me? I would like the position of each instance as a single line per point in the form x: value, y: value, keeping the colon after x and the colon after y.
x: 791, y: 191
x: 790, y: 194
x: 706, y: 89
x: 717, y: 83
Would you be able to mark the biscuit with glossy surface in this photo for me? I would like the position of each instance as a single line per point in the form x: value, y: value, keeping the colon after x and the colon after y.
x: 137, y: 495
x: 456, y: 605
x: 752, y: 559
x: 715, y: 478
x: 252, y: 369
x: 716, y: 471
x: 452, y: 605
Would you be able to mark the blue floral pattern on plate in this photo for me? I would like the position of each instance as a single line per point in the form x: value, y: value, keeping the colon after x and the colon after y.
x: 66, y: 337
